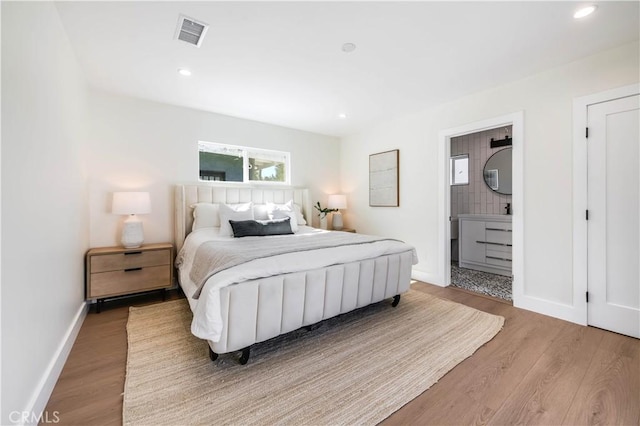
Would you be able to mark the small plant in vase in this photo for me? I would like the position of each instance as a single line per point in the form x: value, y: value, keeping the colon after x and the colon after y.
x: 323, y: 212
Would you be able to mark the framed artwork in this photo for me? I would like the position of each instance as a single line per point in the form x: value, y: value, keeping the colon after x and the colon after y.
x: 383, y: 179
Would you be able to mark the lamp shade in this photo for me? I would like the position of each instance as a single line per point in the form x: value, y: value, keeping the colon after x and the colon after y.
x: 131, y: 203
x: 337, y: 201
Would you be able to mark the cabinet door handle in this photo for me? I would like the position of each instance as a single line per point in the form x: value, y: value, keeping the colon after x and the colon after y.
x: 498, y: 258
x: 494, y: 244
x: 133, y: 269
x: 498, y: 229
x: 132, y: 252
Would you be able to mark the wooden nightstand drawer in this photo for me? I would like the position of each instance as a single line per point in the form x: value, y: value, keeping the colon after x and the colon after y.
x: 105, y: 284
x: 117, y: 271
x: 133, y: 259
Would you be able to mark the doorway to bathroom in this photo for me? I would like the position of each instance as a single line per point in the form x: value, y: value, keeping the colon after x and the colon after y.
x: 481, y: 183
x: 480, y: 210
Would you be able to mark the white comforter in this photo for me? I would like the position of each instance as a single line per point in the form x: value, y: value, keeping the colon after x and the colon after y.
x: 207, y: 321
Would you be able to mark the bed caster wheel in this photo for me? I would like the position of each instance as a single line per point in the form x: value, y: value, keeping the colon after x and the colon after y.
x: 212, y: 355
x: 244, y: 358
x: 396, y: 300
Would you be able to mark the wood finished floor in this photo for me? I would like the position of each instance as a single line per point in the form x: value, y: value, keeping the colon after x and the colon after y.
x: 538, y: 370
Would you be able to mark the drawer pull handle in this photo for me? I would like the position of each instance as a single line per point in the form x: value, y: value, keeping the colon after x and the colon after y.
x: 498, y: 229
x: 498, y: 258
x: 133, y: 269
x: 494, y: 244
x: 132, y: 252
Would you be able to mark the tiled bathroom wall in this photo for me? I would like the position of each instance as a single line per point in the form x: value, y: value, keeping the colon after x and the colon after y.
x: 477, y: 197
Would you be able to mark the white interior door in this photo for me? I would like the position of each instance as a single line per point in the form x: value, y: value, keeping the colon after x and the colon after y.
x: 613, y: 228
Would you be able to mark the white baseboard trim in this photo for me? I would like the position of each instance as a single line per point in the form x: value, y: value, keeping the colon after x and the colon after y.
x: 427, y: 277
x: 552, y: 309
x: 545, y: 307
x: 41, y: 396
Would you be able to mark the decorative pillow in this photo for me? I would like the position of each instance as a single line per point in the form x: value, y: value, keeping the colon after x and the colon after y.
x: 299, y: 215
x: 280, y: 211
x: 261, y: 228
x: 205, y: 215
x: 260, y: 212
x: 233, y: 212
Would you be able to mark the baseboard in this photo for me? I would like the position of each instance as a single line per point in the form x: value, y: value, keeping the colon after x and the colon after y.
x: 426, y: 277
x: 41, y: 396
x: 552, y: 309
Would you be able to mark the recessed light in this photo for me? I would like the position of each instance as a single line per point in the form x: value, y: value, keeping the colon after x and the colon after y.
x: 348, y: 47
x: 184, y: 71
x: 342, y: 116
x: 585, y: 11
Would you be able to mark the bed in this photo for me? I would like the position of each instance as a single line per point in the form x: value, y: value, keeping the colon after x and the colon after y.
x: 252, y: 289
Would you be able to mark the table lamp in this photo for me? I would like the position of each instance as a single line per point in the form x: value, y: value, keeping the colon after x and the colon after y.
x: 337, y: 201
x: 132, y: 204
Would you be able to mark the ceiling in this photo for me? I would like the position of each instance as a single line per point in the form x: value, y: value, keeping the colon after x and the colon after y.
x: 282, y: 62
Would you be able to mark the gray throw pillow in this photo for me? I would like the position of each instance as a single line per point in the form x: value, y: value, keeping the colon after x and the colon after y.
x: 261, y: 228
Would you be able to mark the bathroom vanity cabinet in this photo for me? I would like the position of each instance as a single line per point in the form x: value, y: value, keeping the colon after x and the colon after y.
x: 485, y: 243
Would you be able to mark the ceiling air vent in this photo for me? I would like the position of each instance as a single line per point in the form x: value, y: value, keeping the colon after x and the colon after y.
x: 190, y: 30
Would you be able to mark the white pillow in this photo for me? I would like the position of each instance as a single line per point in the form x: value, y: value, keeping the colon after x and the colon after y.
x: 281, y: 211
x: 260, y: 212
x: 299, y: 215
x: 229, y: 212
x: 205, y: 215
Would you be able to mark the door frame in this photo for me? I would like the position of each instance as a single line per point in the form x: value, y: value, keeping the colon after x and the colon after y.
x: 516, y: 120
x: 580, y: 205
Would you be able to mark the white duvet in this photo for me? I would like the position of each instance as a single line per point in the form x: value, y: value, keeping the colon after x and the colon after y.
x: 207, y: 320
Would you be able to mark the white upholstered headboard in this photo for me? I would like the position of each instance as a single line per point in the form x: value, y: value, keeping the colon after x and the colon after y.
x: 187, y: 195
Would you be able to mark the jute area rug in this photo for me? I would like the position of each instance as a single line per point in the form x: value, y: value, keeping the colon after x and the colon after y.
x: 355, y: 369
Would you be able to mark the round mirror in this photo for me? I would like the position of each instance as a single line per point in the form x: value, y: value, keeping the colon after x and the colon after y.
x: 497, y: 172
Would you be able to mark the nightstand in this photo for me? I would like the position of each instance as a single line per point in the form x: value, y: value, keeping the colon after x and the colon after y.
x: 117, y: 271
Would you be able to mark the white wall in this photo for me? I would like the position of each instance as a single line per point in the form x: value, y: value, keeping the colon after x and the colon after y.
x: 143, y: 145
x: 44, y: 203
x: 546, y: 100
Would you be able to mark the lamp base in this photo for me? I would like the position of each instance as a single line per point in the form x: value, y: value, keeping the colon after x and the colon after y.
x: 132, y: 234
x: 337, y: 221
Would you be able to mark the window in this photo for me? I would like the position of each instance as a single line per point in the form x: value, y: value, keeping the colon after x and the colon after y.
x: 460, y: 169
x: 228, y: 163
x: 267, y: 165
